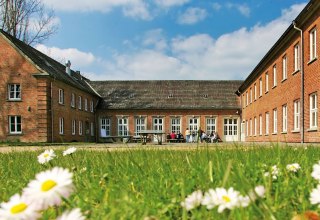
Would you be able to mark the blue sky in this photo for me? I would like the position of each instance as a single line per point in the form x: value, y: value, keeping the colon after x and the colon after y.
x: 167, y: 39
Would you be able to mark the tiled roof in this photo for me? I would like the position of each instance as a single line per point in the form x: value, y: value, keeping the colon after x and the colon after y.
x: 52, y: 67
x: 168, y: 94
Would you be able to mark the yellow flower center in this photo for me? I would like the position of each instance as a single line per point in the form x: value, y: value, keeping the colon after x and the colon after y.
x: 226, y: 198
x: 47, y: 185
x: 18, y: 208
x: 46, y: 155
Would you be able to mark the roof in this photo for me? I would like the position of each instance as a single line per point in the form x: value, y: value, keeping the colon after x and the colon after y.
x: 167, y: 94
x: 50, y: 66
x: 300, y: 20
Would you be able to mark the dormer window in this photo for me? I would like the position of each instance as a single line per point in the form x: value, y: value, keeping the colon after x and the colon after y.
x: 14, y: 92
x: 170, y: 95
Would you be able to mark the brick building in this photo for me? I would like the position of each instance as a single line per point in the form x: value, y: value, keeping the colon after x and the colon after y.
x: 279, y: 98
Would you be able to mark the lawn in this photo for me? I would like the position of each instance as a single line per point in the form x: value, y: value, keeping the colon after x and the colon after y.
x: 151, y: 183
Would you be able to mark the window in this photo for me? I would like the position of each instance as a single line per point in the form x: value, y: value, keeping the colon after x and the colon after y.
x: 105, y: 129
x: 61, y: 96
x: 73, y: 100
x: 255, y: 91
x: 80, y: 103
x: 313, y: 111
x: 260, y: 124
x: 284, y: 118
x: 255, y: 127
x: 250, y: 95
x: 193, y: 124
x: 296, y: 120
x: 15, y: 124
x: 140, y: 125
x: 61, y: 125
x: 284, y: 68
x: 176, y: 125
x: 313, y: 44
x: 267, y: 82
x: 267, y: 123
x: 73, y: 127
x: 275, y: 121
x: 80, y: 128
x: 250, y: 127
x: 230, y: 127
x: 86, y: 104
x: 92, y: 129
x: 260, y: 87
x: 247, y: 128
x: 91, y: 106
x: 211, y: 125
x: 274, y: 75
x: 14, y: 92
x: 247, y: 96
x: 296, y: 57
x: 123, y: 126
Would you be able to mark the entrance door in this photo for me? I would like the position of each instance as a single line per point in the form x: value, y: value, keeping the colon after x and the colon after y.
x: 193, y: 127
x: 157, y: 126
x: 231, y: 129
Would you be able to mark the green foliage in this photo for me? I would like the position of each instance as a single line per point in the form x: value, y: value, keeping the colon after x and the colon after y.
x: 152, y: 182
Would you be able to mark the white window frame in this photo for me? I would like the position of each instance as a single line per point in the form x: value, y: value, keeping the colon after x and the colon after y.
x: 297, y: 57
x: 105, y: 124
x: 193, y: 124
x: 275, y: 121
x: 91, y: 106
x: 247, y: 97
x: 255, y: 91
x: 255, y: 126
x: 313, y: 44
x: 250, y: 95
x: 14, y: 92
x: 140, y: 124
x: 80, y: 102
x: 73, y: 127
x: 211, y: 124
x: 284, y: 118
x: 267, y: 123
x: 260, y: 124
x: 123, y: 126
x: 61, y: 125
x: 15, y: 124
x: 250, y: 126
x: 92, y: 129
x: 86, y: 104
x: 261, y: 85
x: 73, y: 100
x: 80, y: 128
x: 284, y: 67
x: 275, y: 75
x: 175, y: 123
x: 267, y: 82
x: 247, y: 128
x: 61, y: 96
x: 313, y: 111
x: 296, y: 120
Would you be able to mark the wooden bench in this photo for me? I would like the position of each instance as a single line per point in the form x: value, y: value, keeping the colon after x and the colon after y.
x: 180, y: 140
x: 113, y: 139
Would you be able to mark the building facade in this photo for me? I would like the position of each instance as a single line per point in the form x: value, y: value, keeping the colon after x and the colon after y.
x: 279, y: 98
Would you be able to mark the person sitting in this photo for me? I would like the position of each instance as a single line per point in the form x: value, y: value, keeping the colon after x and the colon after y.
x: 203, y: 136
x: 173, y: 135
x: 213, y: 137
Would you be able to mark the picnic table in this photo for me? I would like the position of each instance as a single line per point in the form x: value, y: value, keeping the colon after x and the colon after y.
x: 156, y: 133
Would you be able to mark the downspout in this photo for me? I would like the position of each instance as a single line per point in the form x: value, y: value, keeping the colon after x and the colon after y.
x: 302, y: 79
x: 51, y: 112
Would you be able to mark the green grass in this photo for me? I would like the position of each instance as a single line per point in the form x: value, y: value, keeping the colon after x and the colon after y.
x: 146, y: 182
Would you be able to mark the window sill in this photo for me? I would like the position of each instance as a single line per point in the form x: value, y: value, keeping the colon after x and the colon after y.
x: 284, y: 132
x: 14, y: 100
x: 15, y: 134
x: 62, y: 104
x: 295, y: 72
x: 266, y: 135
x: 266, y: 92
x: 274, y: 86
x: 274, y: 133
x: 284, y: 80
x: 312, y: 129
x: 295, y: 131
x: 311, y: 61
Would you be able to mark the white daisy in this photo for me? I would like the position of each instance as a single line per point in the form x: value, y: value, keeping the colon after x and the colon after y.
x: 227, y: 199
x: 18, y: 209
x: 69, y: 151
x: 46, y: 156
x: 315, y: 196
x: 193, y: 200
x: 244, y: 201
x: 210, y: 199
x: 316, y: 171
x: 74, y: 214
x: 258, y: 191
x: 274, y: 172
x: 294, y: 167
x: 49, y: 186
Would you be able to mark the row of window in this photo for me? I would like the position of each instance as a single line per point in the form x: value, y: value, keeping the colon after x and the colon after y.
x: 74, y: 127
x: 296, y: 67
x: 73, y: 101
x: 251, y: 125
x: 140, y: 124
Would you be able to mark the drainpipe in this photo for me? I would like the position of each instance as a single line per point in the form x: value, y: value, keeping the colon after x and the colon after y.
x: 302, y: 79
x: 51, y: 112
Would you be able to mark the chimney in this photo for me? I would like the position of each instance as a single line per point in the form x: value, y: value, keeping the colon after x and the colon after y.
x: 68, y: 65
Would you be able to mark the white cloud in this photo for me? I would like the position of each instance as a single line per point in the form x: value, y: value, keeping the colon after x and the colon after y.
x: 216, y: 6
x: 170, y: 3
x: 192, y: 16
x: 78, y: 58
x: 242, y: 8
x: 130, y: 8
x: 156, y: 39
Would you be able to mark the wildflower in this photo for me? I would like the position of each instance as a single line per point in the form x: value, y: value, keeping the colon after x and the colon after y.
x: 274, y: 172
x: 18, y: 209
x: 294, y: 167
x: 244, y: 201
x: 69, y: 151
x: 316, y: 171
x: 257, y: 191
x: 315, y: 196
x: 210, y: 199
x: 227, y: 199
x: 192, y: 201
x: 49, y: 186
x: 72, y: 215
x: 46, y: 156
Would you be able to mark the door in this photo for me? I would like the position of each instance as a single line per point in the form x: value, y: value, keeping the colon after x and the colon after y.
x: 157, y: 126
x: 231, y: 129
x: 193, y: 127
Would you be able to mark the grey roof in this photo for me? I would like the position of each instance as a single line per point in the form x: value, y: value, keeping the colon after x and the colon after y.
x: 168, y: 94
x: 52, y: 67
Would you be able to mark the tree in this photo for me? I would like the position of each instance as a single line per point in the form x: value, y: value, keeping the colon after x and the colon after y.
x: 27, y: 20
